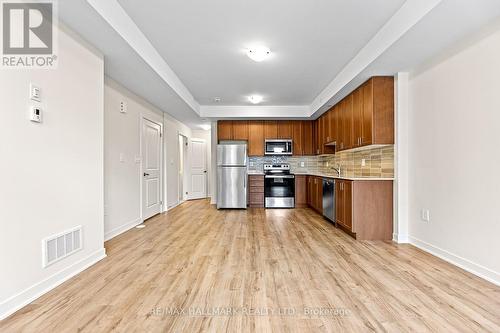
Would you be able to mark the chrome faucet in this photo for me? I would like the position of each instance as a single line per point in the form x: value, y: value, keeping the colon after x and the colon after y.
x: 338, y: 169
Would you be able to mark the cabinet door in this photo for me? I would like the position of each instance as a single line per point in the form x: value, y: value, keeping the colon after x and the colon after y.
x: 300, y: 191
x: 314, y: 199
x: 316, y: 136
x: 321, y: 134
x: 347, y: 200
x: 319, y: 194
x: 285, y: 129
x: 270, y: 129
x: 357, y: 116
x: 347, y: 123
x: 298, y: 138
x: 367, y: 115
x: 240, y: 130
x: 308, y: 138
x: 255, y: 138
x: 328, y: 128
x: 309, y: 191
x: 224, y: 130
x: 339, y: 202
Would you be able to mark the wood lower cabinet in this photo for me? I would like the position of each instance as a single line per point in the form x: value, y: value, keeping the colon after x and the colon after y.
x: 315, y: 193
x: 255, y: 138
x: 256, y: 191
x: 343, y: 203
x: 301, y: 191
x: 364, y: 208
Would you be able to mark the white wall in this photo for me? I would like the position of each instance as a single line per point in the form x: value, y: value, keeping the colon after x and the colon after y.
x: 454, y: 159
x: 207, y: 136
x: 122, y: 180
x: 122, y: 136
x: 51, y: 174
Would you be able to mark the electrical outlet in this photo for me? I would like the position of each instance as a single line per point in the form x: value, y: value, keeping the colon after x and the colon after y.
x: 363, y: 162
x: 123, y: 107
x: 302, y: 164
x: 425, y: 215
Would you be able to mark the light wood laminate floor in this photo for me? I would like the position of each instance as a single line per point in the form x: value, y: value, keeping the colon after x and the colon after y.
x: 286, y: 262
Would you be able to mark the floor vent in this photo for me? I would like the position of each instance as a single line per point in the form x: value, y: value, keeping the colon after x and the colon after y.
x: 57, y: 247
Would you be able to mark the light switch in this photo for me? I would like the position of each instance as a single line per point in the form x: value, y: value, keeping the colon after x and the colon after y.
x: 122, y: 157
x: 35, y: 93
x: 425, y: 215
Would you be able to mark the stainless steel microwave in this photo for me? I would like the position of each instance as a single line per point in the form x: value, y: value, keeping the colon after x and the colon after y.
x: 278, y: 147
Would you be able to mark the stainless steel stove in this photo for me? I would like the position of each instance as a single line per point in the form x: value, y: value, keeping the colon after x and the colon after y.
x: 279, y: 186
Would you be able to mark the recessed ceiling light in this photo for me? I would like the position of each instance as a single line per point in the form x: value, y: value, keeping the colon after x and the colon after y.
x: 258, y: 53
x: 217, y: 99
x: 255, y: 99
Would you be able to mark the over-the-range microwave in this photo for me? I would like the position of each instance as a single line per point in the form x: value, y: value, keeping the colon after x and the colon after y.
x: 278, y: 147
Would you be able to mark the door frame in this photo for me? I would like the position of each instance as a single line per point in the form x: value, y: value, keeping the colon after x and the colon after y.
x: 187, y: 169
x: 206, y: 165
x: 141, y: 169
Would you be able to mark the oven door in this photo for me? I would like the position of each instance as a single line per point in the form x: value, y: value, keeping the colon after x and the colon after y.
x: 278, y: 147
x: 279, y: 186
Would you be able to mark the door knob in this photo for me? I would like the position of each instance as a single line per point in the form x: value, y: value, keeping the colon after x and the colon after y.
x: 146, y: 174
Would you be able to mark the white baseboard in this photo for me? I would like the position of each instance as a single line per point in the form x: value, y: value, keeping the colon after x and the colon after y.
x: 469, y: 266
x: 121, y: 229
x: 400, y: 239
x: 18, y: 301
x: 177, y: 204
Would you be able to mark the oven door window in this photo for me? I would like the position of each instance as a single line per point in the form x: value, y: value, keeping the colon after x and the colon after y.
x: 279, y: 187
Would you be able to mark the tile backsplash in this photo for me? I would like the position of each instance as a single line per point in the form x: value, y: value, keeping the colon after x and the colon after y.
x: 378, y: 162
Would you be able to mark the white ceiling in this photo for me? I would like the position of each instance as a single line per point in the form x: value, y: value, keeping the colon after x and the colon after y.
x: 311, y: 41
x: 178, y: 55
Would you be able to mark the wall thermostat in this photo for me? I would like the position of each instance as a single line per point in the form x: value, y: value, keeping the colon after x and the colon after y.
x: 36, y: 114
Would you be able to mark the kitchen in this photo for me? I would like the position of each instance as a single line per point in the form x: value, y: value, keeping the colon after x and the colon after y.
x: 341, y: 165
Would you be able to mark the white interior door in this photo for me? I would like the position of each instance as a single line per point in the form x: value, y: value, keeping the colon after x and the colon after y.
x: 151, y: 168
x: 198, y: 169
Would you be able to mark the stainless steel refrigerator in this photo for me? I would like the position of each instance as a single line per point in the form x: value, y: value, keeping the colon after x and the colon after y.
x: 232, y: 176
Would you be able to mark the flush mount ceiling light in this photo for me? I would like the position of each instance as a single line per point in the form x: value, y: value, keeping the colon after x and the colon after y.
x: 258, y: 53
x: 255, y: 99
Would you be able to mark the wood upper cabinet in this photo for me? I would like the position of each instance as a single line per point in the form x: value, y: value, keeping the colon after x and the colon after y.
x: 329, y: 132
x: 308, y: 142
x: 270, y: 129
x: 347, y: 123
x: 240, y: 130
x: 298, y: 137
x: 285, y: 129
x: 357, y: 116
x: 374, y: 112
x: 255, y: 138
x: 301, y: 191
x: 225, y: 130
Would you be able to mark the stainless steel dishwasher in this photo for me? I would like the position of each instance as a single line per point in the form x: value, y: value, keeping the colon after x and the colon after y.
x: 329, y: 199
